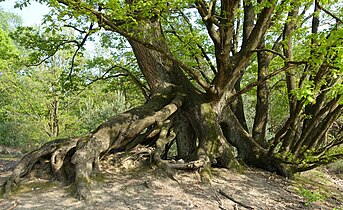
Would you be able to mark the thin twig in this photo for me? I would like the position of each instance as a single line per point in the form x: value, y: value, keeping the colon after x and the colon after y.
x: 271, y: 51
x: 254, y: 84
x: 53, y: 53
x: 79, y: 48
x: 329, y: 13
x: 213, y: 68
x: 234, y: 200
x: 75, y: 28
x: 140, y: 85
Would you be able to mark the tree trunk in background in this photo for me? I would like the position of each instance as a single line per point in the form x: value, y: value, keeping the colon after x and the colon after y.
x: 238, y: 107
x: 185, y: 136
x: 53, y: 118
x: 262, y: 102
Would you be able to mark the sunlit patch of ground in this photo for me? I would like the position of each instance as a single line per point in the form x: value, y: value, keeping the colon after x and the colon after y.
x: 138, y: 186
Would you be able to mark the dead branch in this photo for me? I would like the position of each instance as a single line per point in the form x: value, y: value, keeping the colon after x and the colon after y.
x: 234, y: 200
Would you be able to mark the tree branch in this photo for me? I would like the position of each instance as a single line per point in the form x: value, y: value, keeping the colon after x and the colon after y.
x: 104, y: 77
x: 271, y: 51
x: 204, y: 54
x: 332, y: 144
x: 137, y: 82
x: 90, y: 31
x: 208, y: 17
x: 254, y: 84
x: 75, y: 28
x: 261, y: 26
x: 193, y: 54
x: 329, y: 13
x: 321, y: 161
x: 191, y: 71
x: 53, y: 53
x: 127, y: 73
x: 213, y: 68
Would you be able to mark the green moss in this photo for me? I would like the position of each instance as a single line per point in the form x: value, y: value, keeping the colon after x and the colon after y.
x: 238, y: 168
x: 206, y: 174
x: 32, y: 186
x: 210, y: 130
x: 71, y: 189
x: 99, y: 177
x: 81, y: 179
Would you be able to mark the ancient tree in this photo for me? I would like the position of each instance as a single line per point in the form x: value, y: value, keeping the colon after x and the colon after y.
x: 194, y: 56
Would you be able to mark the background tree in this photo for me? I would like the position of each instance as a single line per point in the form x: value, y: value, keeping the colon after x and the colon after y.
x: 8, y: 55
x: 37, y: 103
x: 194, y: 55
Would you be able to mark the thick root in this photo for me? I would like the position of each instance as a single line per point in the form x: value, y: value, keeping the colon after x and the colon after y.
x: 38, y: 158
x: 60, y: 161
x: 205, y: 169
x: 75, y: 160
x: 166, y: 136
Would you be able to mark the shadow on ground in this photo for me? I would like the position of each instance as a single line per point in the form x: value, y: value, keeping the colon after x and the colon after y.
x: 143, y: 187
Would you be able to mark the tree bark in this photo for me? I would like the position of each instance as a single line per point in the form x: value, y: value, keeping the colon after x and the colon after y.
x: 198, y: 115
x: 185, y: 136
x: 262, y: 102
x: 80, y: 156
x: 288, y: 52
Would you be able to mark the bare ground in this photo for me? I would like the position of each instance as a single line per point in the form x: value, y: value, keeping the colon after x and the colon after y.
x: 137, y: 186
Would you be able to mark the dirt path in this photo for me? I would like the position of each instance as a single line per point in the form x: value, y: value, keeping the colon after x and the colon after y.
x: 146, y: 188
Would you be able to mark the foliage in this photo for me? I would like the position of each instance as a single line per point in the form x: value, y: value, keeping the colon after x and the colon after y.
x: 28, y: 109
x: 311, y: 196
x: 8, y: 20
x: 8, y: 52
x: 29, y: 95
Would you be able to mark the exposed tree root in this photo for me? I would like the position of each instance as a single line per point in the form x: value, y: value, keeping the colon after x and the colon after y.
x: 166, y: 136
x: 27, y: 163
x: 60, y: 161
x: 75, y: 160
x: 192, y: 165
x: 234, y: 200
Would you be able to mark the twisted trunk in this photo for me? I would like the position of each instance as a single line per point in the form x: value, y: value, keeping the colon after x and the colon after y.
x: 201, y: 116
x: 176, y: 110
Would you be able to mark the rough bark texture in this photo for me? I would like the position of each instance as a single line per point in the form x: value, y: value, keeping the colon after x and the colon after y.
x: 262, y: 102
x: 185, y: 108
x: 76, y: 159
x: 185, y: 137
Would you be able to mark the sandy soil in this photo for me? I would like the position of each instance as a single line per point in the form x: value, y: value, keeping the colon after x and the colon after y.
x: 143, y: 187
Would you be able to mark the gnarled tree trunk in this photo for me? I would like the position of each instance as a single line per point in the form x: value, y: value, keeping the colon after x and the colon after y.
x: 186, y: 108
x: 189, y: 114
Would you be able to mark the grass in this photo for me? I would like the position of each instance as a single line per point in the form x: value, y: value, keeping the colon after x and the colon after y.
x: 311, y: 196
x: 318, y: 185
x: 31, y: 186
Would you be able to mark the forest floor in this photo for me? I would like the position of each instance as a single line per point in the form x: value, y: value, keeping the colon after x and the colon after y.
x: 135, y: 185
